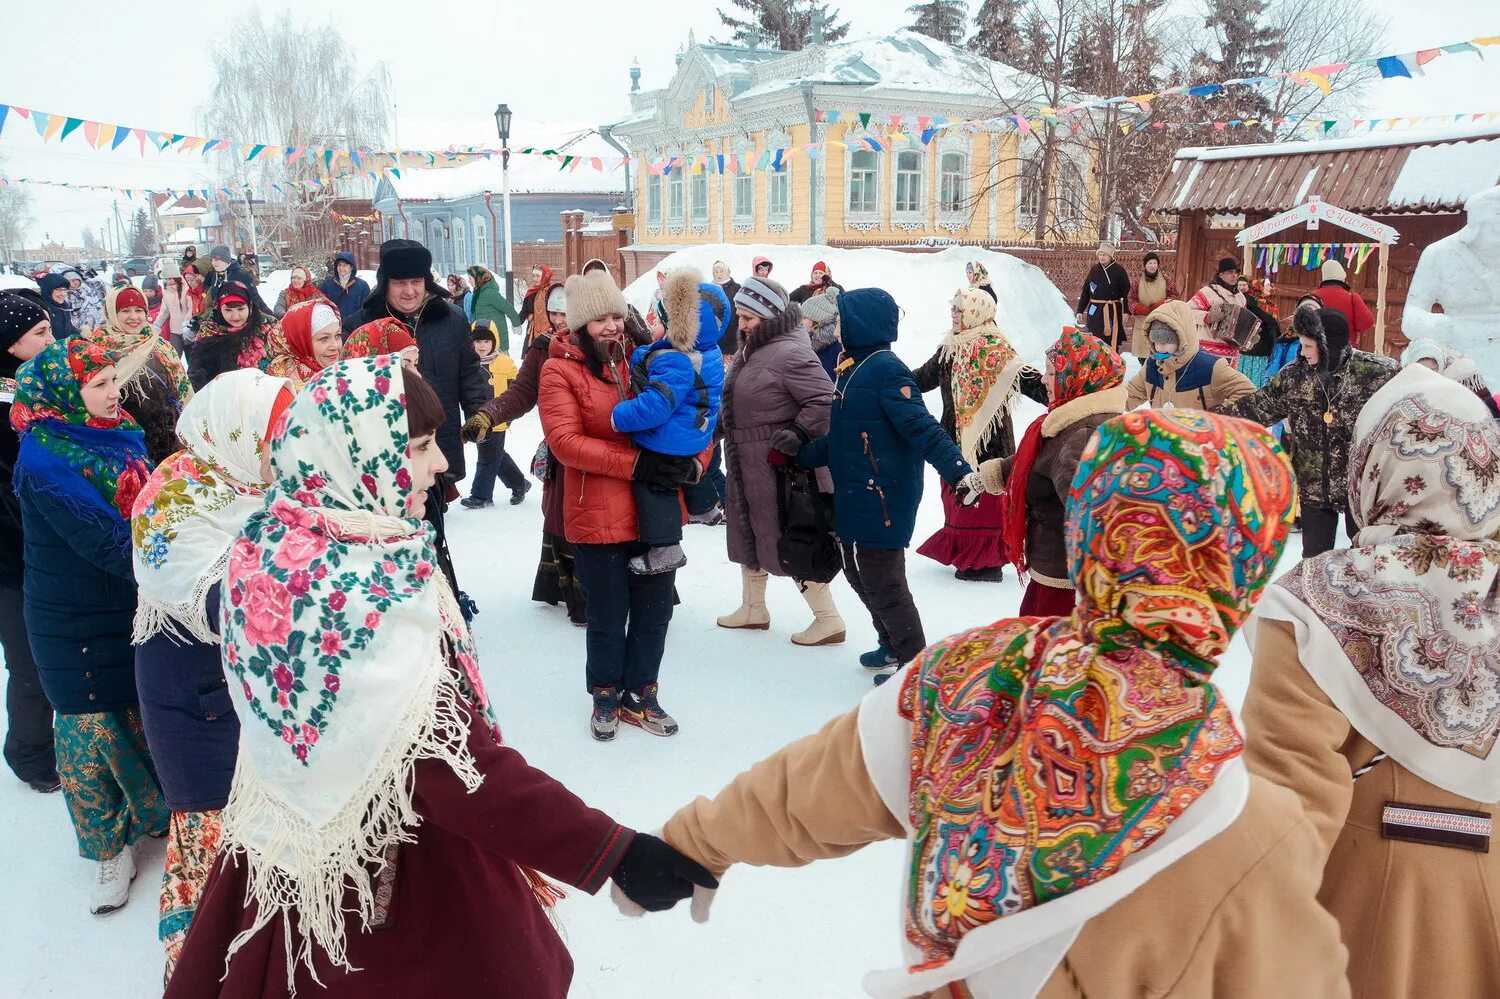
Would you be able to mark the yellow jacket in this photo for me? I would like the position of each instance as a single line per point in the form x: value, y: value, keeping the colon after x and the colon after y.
x: 502, y: 373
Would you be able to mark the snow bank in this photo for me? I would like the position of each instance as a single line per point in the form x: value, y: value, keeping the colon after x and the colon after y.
x: 274, y: 283
x: 1031, y: 311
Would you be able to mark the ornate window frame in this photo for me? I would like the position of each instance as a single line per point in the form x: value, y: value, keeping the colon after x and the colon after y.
x: 676, y: 198
x: 480, y: 232
x: 862, y: 218
x: 460, y: 241
x: 1029, y: 160
x: 779, y: 221
x: 953, y: 186
x: 911, y: 217
x: 742, y: 182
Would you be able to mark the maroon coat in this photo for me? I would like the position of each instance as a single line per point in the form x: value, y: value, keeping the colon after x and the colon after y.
x: 465, y: 921
x: 776, y: 380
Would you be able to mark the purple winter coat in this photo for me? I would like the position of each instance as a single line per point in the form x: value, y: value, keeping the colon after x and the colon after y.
x: 775, y: 381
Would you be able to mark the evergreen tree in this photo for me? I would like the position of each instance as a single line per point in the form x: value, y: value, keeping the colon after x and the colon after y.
x: 997, y: 31
x: 940, y: 19
x: 782, y: 24
x: 1243, y: 47
x: 142, y: 236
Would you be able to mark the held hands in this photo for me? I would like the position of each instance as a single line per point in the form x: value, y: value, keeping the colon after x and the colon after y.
x: 969, y: 489
x: 477, y: 428
x: 656, y: 877
x: 789, y: 440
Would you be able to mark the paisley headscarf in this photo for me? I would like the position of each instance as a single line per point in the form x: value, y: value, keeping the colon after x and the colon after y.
x: 352, y: 658
x: 985, y: 371
x: 383, y: 336
x: 1052, y: 765
x: 196, y: 502
x: 1402, y: 631
x: 95, y: 465
x: 290, y: 343
x: 134, y: 351
x: 1083, y: 364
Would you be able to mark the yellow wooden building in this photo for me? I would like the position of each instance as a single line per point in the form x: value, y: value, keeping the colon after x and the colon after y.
x: 729, y: 101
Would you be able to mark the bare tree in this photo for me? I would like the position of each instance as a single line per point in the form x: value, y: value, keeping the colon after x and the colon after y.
x: 15, y: 218
x: 1314, y: 32
x: 285, y: 83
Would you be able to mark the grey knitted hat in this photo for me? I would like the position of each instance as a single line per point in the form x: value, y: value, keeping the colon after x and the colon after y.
x: 761, y: 296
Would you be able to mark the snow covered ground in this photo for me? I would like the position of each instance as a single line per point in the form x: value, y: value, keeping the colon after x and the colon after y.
x: 738, y: 697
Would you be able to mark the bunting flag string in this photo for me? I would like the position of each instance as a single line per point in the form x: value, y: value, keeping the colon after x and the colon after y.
x: 1271, y: 257
x: 99, y: 135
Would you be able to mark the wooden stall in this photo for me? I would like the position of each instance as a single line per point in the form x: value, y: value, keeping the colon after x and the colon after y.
x: 1412, y: 182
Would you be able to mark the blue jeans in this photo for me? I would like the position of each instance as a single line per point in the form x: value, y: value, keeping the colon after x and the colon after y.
x: 493, y: 462
x: 708, y: 492
x: 628, y: 616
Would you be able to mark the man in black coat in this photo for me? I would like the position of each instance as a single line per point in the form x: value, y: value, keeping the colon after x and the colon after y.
x: 405, y: 290
x: 225, y: 269
x: 1101, y: 303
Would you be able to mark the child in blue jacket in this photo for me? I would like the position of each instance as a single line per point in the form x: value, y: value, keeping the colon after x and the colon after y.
x: 677, y: 383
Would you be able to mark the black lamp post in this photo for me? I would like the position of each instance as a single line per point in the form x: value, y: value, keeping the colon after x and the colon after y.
x: 502, y: 125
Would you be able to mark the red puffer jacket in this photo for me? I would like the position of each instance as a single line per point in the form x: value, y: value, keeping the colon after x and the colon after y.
x: 597, y: 460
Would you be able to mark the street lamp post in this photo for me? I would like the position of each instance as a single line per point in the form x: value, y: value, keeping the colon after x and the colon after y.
x: 502, y: 125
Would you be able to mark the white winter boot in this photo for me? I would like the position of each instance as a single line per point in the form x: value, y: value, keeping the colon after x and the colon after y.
x: 752, y: 613
x: 112, y: 889
x: 827, y: 627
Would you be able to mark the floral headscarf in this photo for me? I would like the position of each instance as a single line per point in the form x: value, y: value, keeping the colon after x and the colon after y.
x: 134, y: 351
x: 196, y: 502
x: 1083, y: 364
x: 1402, y: 631
x: 306, y: 293
x: 97, y: 465
x: 986, y: 370
x: 290, y: 343
x: 383, y: 336
x: 1045, y: 752
x: 352, y: 658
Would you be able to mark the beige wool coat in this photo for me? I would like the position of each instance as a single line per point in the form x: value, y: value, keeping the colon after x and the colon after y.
x: 1418, y: 920
x: 1234, y: 919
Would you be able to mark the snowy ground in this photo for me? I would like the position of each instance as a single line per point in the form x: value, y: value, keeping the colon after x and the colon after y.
x: 738, y: 697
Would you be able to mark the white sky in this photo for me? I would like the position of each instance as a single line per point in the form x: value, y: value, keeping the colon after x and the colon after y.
x: 452, y: 61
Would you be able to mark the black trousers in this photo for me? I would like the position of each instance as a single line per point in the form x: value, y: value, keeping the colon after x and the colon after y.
x: 1320, y: 529
x: 628, y: 616
x: 878, y: 576
x: 708, y: 492
x: 494, y: 462
x: 658, y: 515
x: 28, y: 734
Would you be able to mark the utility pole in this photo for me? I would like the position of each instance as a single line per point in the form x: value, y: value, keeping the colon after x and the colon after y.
x: 120, y: 232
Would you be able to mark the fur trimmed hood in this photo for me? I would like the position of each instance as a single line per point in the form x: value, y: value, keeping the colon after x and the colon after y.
x: 697, y: 312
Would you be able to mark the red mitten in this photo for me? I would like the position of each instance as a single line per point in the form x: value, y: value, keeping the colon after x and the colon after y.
x: 775, y: 457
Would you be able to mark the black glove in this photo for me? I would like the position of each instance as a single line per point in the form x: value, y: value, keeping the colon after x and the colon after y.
x: 656, y: 877
x: 662, y: 471
x: 789, y: 440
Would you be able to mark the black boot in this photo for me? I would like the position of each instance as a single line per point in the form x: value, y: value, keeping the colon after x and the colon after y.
x: 995, y: 574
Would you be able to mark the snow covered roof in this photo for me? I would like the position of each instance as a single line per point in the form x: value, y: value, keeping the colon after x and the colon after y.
x: 899, y: 61
x: 1428, y: 171
x: 528, y: 175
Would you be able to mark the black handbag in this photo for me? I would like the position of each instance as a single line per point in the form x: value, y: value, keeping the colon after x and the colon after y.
x: 806, y: 549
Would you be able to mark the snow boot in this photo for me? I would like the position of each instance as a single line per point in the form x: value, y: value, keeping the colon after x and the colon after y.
x: 657, y: 560
x: 606, y: 718
x: 885, y: 675
x: 475, y: 503
x: 752, y: 613
x: 827, y: 627
x: 112, y: 886
x: 641, y: 710
x: 994, y: 574
x: 518, y: 496
x: 878, y: 658
x: 712, y: 517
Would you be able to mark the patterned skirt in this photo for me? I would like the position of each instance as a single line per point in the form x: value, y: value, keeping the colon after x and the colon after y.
x: 1257, y: 369
x: 108, y: 781
x: 192, y: 846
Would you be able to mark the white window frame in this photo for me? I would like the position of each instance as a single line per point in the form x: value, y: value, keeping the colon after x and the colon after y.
x: 1072, y: 193
x: 676, y: 197
x: 953, y: 184
x: 915, y: 209
x: 698, y: 195
x: 868, y: 209
x: 481, y: 234
x: 1028, y: 185
x: 744, y: 196
x: 656, y: 197
x: 460, y: 240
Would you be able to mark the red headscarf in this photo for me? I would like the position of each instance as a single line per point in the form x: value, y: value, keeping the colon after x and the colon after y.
x: 291, y: 342
x: 383, y: 336
x: 308, y: 291
x: 1084, y: 364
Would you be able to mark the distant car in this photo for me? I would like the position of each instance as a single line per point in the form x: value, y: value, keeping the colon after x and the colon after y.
x: 138, y: 266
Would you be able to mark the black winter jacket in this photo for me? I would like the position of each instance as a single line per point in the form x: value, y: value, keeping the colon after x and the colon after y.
x: 448, y: 362
x: 11, y: 561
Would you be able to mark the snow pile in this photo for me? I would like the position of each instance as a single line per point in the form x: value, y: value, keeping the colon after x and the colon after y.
x: 1030, y: 310
x: 274, y: 283
x: 1446, y: 174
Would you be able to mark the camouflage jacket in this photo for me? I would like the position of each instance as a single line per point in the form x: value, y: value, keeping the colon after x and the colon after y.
x: 1319, y: 448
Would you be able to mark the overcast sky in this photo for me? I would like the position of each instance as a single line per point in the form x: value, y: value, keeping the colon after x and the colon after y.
x: 452, y: 61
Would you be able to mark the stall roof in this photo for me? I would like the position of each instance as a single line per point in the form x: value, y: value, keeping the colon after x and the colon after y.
x: 1430, y: 171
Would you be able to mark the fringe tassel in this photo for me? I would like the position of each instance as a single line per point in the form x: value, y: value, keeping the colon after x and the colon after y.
x: 185, y: 622
x: 326, y: 862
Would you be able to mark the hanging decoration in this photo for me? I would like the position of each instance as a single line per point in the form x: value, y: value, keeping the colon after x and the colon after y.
x: 1271, y: 257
